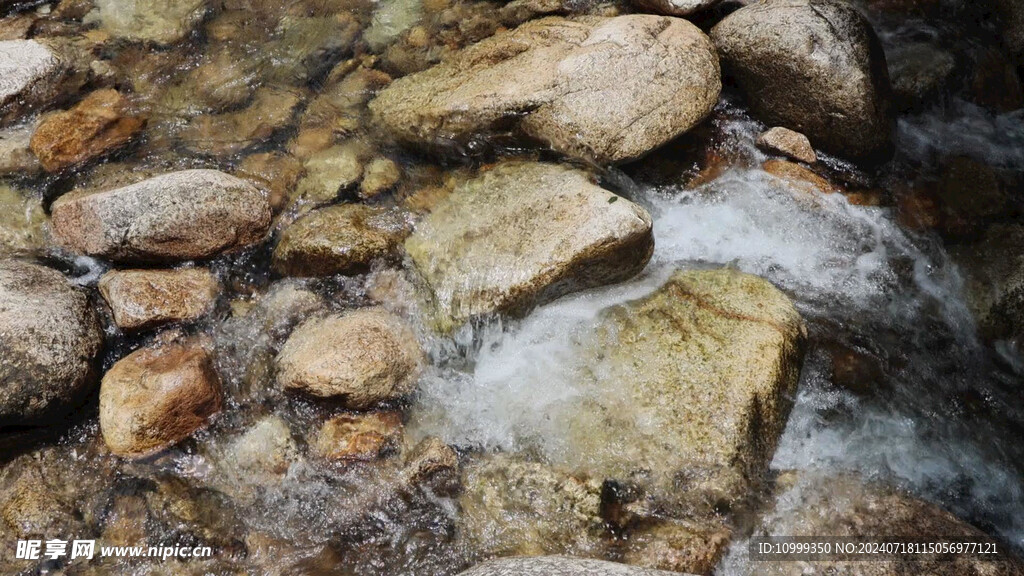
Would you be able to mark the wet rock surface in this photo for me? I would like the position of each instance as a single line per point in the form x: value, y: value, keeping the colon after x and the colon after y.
x: 95, y: 126
x: 524, y: 233
x: 788, y: 143
x: 143, y: 299
x: 21, y: 223
x: 51, y: 340
x: 30, y: 72
x: 558, y: 566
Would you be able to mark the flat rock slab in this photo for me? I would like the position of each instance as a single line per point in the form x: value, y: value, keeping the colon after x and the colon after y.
x: 605, y: 89
x: 178, y: 216
x: 524, y: 233
x: 559, y: 566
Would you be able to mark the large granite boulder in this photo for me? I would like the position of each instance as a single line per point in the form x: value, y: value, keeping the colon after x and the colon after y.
x: 558, y: 566
x: 605, y: 89
x: 172, y: 217
x: 31, y: 73
x: 814, y: 66
x: 49, y: 344
x: 523, y: 233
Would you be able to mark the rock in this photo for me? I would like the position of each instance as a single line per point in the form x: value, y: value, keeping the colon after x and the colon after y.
x: 675, y: 7
x: 918, y: 72
x: 16, y: 157
x: 391, y: 18
x: 814, y: 66
x: 432, y: 464
x: 677, y: 546
x: 517, y: 508
x: 155, y: 397
x: 798, y: 178
x: 21, y: 223
x: 606, y: 89
x: 379, y: 176
x: 340, y: 107
x: 143, y: 299
x: 304, y: 48
x: 271, y: 110
x: 51, y: 339
x: 994, y: 280
x: 343, y: 239
x: 359, y: 436
x: 558, y: 566
x: 691, y: 385
x: 330, y: 171
x: 788, y: 143
x: 842, y: 506
x: 172, y: 217
x: 260, y: 456
x: 276, y: 172
x: 362, y: 357
x: 524, y: 233
x: 97, y: 125
x: 158, y: 21
x: 1011, y: 15
x: 31, y: 74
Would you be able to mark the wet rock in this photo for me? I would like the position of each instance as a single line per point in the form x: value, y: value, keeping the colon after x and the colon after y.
x: 21, y: 223
x: 158, y: 21
x: 798, y: 178
x: 31, y: 506
x: 271, y: 110
x: 523, y: 233
x: 517, y: 508
x: 558, y: 566
x: 918, y: 71
x: 176, y: 216
x: 379, y: 176
x: 97, y: 125
x: 304, y: 48
x: 814, y: 66
x: 16, y: 157
x: 276, y: 172
x: 157, y: 396
x: 339, y: 108
x: 843, y: 506
x: 677, y: 546
x: 994, y: 280
x: 675, y: 7
x: 343, y: 239
x: 143, y: 299
x: 434, y: 465
x: 996, y: 83
x: 330, y: 171
x: 362, y: 358
x: 391, y: 18
x: 606, y: 89
x: 788, y: 143
x: 51, y: 338
x: 359, y: 436
x: 259, y: 456
x: 1011, y: 16
x: 31, y: 73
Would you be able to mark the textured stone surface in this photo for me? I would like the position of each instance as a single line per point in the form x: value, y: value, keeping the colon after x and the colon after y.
x: 993, y: 268
x: 271, y: 110
x: 21, y: 223
x: 814, y: 66
x: 159, y: 21
x: 29, y: 73
x: 558, y: 566
x: 51, y: 339
x: 674, y: 7
x: 16, y: 157
x: 524, y: 233
x: 156, y: 397
x: 147, y: 298
x: 342, y: 239
x: 359, y: 436
x: 177, y: 216
x: 788, y: 143
x: 99, y: 124
x: 606, y: 89
x: 363, y: 357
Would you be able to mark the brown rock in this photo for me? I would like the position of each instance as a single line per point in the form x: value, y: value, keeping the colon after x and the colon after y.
x: 799, y: 178
x: 433, y: 463
x: 341, y: 239
x: 272, y: 109
x: 147, y: 298
x: 359, y: 436
x: 156, y: 397
x: 276, y: 172
x: 788, y: 143
x: 363, y: 357
x: 678, y: 546
x: 16, y: 157
x: 172, y: 217
x: 97, y: 125
x: 379, y: 175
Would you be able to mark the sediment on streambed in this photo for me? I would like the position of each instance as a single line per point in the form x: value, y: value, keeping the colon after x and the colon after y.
x: 433, y: 287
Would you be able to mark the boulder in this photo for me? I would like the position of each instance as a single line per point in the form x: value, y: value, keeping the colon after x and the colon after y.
x: 675, y: 7
x: 143, y: 299
x: 993, y: 269
x: 814, y: 66
x: 359, y: 436
x: 605, y: 89
x: 97, y: 125
x: 157, y: 396
x: 788, y: 143
x: 31, y: 74
x: 51, y: 339
x: 558, y: 566
x: 362, y: 357
x: 21, y: 223
x: 172, y: 217
x: 157, y: 21
x: 918, y: 71
x: 524, y: 233
x: 343, y: 239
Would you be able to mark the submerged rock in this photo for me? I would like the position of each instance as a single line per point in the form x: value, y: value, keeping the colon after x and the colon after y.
x: 341, y: 239
x: 359, y: 436
x: 276, y: 172
x: 814, y: 66
x: 147, y: 298
x: 524, y: 233
x: 16, y: 157
x: 159, y: 21
x: 157, y: 396
x: 31, y: 73
x: 362, y: 357
x: 51, y: 339
x: 606, y: 89
x: 177, y: 216
x: 330, y: 171
x: 994, y: 280
x: 99, y: 124
x: 21, y: 223
x: 788, y: 143
x: 271, y: 110
x: 558, y: 566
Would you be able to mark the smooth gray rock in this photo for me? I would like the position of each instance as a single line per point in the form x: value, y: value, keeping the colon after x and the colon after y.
x: 559, y: 566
